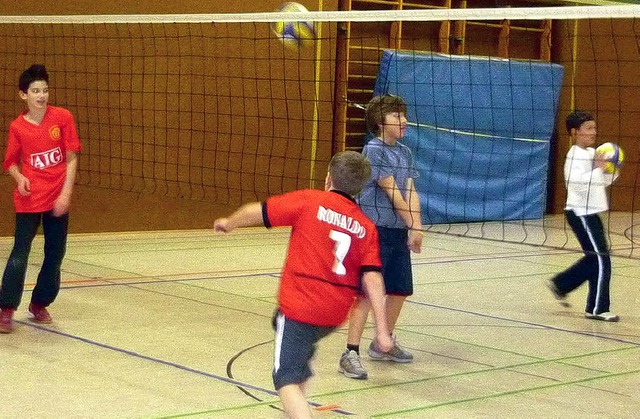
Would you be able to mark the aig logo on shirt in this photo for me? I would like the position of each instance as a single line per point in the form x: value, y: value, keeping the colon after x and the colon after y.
x: 46, y: 158
x: 54, y: 132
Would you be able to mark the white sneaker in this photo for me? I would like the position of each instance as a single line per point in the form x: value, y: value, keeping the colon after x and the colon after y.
x: 605, y: 317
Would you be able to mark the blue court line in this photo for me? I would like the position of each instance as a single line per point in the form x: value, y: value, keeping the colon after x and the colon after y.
x: 542, y: 326
x: 168, y: 363
x: 109, y: 284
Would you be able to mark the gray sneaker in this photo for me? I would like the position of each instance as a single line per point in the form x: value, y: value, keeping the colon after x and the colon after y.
x: 397, y: 354
x: 351, y: 366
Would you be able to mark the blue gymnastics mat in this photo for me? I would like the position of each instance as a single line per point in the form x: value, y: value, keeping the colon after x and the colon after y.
x: 480, y: 129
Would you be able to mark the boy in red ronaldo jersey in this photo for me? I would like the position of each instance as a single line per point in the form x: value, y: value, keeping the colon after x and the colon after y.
x: 333, y: 252
x: 41, y: 156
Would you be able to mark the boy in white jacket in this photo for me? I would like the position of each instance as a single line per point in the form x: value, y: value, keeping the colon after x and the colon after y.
x: 586, y: 183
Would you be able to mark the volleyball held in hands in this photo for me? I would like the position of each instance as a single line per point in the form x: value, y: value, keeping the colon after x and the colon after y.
x: 612, y: 154
x: 294, y: 34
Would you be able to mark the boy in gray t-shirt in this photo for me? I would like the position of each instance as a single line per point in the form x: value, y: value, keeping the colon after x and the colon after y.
x: 390, y: 200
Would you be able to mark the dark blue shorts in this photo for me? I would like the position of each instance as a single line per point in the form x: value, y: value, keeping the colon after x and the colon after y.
x: 396, y: 261
x: 295, y: 345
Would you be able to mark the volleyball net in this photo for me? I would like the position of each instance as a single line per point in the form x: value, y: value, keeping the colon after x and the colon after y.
x: 216, y: 108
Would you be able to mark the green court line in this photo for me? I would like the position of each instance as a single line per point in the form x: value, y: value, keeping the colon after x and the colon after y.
x: 222, y: 410
x: 481, y: 371
x: 466, y: 373
x: 475, y: 345
x: 539, y: 361
x: 504, y: 393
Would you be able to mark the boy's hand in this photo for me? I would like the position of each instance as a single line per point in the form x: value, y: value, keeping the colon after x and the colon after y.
x: 221, y: 225
x: 383, y: 343
x: 24, y: 186
x: 415, y: 241
x: 61, y: 205
x: 599, y: 161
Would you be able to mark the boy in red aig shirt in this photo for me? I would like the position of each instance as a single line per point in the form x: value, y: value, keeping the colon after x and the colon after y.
x: 41, y: 157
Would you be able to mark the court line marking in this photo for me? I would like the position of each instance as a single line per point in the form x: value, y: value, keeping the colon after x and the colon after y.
x: 502, y: 394
x: 274, y: 271
x: 161, y: 281
x: 167, y: 278
x: 156, y: 282
x: 332, y: 408
x: 168, y: 363
x: 133, y: 285
x: 490, y: 316
x: 441, y: 307
x: 528, y: 324
x: 563, y: 360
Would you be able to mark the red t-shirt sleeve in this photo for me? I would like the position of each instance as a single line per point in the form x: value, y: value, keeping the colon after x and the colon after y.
x: 69, y: 133
x: 12, y: 155
x: 283, y: 210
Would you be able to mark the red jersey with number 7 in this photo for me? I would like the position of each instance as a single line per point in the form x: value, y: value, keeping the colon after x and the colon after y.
x: 332, y: 243
x: 41, y: 152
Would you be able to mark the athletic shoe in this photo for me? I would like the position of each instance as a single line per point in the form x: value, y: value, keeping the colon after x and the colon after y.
x: 6, y: 320
x: 562, y: 298
x: 605, y: 317
x: 351, y: 366
x: 39, y: 314
x: 397, y: 354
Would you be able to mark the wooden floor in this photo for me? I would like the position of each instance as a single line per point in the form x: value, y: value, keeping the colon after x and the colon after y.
x: 177, y: 324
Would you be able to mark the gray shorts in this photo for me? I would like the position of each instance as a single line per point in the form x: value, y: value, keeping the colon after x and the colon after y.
x: 295, y: 345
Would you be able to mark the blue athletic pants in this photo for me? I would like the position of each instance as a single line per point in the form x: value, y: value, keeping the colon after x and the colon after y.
x: 55, y: 244
x: 594, y: 266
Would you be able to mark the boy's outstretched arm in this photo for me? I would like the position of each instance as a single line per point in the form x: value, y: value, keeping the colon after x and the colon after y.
x: 245, y: 216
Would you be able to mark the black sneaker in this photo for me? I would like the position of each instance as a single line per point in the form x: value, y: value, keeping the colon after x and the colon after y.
x: 562, y: 298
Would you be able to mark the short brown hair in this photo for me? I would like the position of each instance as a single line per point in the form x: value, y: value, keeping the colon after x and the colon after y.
x: 380, y: 106
x: 349, y: 171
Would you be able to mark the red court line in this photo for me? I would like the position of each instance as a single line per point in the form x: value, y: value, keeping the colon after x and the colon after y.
x: 72, y: 281
x: 176, y: 277
x: 328, y: 407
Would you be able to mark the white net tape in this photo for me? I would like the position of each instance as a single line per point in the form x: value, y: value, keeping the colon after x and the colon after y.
x: 485, y: 14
